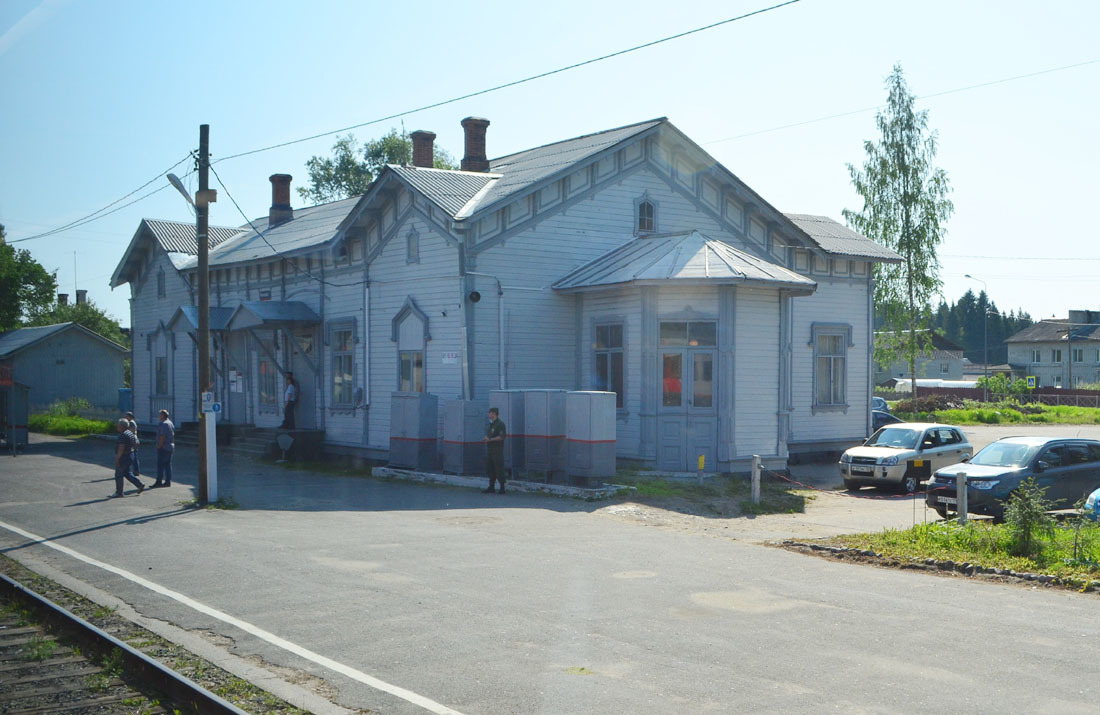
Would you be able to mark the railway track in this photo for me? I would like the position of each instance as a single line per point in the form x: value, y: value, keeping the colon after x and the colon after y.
x: 52, y: 661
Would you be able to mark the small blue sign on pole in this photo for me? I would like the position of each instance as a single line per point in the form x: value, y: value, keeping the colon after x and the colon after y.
x: 216, y: 407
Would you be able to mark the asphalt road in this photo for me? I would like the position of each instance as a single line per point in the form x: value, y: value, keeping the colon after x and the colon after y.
x: 529, y: 604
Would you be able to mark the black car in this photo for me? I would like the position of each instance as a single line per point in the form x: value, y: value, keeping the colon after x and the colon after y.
x: 1069, y: 469
x: 880, y: 419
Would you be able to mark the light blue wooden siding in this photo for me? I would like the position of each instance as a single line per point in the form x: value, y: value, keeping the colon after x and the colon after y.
x: 147, y: 312
x: 540, y: 329
x: 756, y: 372
x: 836, y: 301
x: 434, y: 286
x: 617, y: 306
x: 67, y: 365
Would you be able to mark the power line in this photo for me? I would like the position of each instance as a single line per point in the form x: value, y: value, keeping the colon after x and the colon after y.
x: 276, y: 251
x: 922, y: 96
x: 515, y: 82
x: 96, y: 215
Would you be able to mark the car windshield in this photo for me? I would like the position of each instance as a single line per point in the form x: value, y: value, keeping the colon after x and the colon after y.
x: 896, y: 437
x: 1006, y: 454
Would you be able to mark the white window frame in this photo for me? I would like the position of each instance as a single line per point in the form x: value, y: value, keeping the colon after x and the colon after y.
x: 839, y: 399
x: 1056, y: 356
x: 411, y: 350
x: 945, y: 368
x: 343, y: 395
x: 638, y: 230
x: 608, y: 352
x: 1077, y: 355
x: 1036, y: 355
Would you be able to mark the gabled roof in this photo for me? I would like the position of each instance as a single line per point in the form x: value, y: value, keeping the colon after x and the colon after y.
x: 14, y: 341
x: 687, y: 257
x: 833, y: 237
x: 450, y: 190
x: 257, y: 313
x: 175, y: 238
x: 186, y: 318
x: 1055, y: 331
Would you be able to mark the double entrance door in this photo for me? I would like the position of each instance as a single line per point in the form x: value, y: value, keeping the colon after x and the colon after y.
x: 687, y: 416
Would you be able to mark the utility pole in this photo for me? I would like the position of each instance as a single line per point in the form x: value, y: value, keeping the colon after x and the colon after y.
x: 202, y: 208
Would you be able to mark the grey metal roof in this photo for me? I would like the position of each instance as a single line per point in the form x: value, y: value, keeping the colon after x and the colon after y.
x: 836, y: 238
x: 251, y: 314
x: 682, y: 257
x: 12, y: 341
x: 176, y: 237
x: 186, y: 318
x: 1054, y: 331
x: 311, y: 226
x: 451, y: 190
x: 521, y: 170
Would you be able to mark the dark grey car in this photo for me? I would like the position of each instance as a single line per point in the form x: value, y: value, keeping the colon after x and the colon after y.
x: 1069, y: 469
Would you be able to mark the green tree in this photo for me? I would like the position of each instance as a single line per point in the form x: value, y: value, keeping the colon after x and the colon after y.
x: 25, y: 286
x: 905, y: 207
x: 87, y: 314
x: 351, y: 167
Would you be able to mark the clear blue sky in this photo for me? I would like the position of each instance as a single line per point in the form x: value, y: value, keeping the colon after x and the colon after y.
x: 100, y: 97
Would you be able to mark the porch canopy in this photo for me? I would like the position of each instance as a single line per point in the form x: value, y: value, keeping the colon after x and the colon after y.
x: 186, y: 319
x: 687, y: 258
x: 273, y: 314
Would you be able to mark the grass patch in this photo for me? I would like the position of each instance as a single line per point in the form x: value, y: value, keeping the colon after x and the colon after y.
x: 1009, y: 413
x: 40, y: 648
x: 580, y: 670
x: 1070, y: 550
x: 69, y: 426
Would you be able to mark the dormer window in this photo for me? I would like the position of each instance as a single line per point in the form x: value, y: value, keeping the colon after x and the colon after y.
x: 646, y: 216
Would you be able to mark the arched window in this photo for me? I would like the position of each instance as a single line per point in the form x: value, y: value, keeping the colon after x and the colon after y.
x: 161, y: 291
x: 645, y: 216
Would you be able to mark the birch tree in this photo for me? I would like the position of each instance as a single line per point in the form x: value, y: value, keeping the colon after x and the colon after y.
x: 905, y: 208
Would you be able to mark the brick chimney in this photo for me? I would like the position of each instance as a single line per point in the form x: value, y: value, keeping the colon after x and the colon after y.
x: 423, y: 148
x: 475, y: 159
x: 62, y: 298
x: 280, y: 212
x: 81, y: 296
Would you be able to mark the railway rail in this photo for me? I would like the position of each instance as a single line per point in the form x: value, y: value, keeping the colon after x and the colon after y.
x: 56, y: 662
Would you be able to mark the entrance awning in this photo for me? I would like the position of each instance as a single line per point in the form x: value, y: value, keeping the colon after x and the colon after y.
x: 687, y: 258
x: 186, y: 318
x: 273, y: 314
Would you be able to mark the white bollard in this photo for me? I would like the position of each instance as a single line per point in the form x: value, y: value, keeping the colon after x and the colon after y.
x: 211, y: 457
x: 756, y: 467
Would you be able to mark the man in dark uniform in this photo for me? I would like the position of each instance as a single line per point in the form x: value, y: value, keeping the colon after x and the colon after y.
x: 124, y: 465
x: 494, y: 450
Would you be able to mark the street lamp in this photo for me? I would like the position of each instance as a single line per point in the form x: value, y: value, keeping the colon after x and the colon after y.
x: 985, y: 339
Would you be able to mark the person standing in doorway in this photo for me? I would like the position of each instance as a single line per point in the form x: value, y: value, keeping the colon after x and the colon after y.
x: 495, y: 435
x: 124, y: 463
x: 290, y: 400
x: 132, y: 426
x: 166, y: 446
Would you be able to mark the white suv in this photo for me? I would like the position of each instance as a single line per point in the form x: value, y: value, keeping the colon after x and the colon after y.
x: 902, y: 455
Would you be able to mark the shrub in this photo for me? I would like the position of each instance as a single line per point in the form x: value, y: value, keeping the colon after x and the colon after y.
x: 1026, y: 515
x: 68, y: 408
x: 69, y: 426
x: 929, y: 403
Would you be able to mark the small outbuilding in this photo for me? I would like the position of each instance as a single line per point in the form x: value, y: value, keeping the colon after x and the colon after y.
x: 63, y: 361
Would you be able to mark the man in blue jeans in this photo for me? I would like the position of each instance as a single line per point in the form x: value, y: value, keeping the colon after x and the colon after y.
x: 166, y: 446
x: 124, y: 464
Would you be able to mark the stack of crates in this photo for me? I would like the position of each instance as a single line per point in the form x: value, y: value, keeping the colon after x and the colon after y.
x: 590, y: 435
x: 544, y: 432
x: 510, y: 404
x: 414, y: 424
x: 464, y: 424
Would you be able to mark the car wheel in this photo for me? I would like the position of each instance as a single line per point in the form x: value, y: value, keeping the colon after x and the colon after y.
x: 909, y: 484
x: 851, y: 486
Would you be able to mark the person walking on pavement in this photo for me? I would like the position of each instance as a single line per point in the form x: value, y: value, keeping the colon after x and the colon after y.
x: 495, y: 434
x: 166, y: 446
x: 124, y: 463
x: 290, y: 400
x: 132, y: 426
